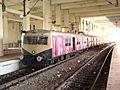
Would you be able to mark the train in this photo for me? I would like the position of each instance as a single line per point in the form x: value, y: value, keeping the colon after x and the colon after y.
x: 45, y: 47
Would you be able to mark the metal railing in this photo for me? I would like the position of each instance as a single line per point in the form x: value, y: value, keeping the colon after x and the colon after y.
x: 11, y: 45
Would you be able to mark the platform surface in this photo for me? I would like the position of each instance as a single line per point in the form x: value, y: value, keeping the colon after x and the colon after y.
x: 114, y: 73
x: 10, y: 61
x: 10, y: 54
x: 9, y: 66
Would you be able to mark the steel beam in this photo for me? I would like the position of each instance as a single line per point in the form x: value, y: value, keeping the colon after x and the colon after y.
x: 21, y: 13
x: 82, y: 4
x: 93, y: 8
x: 64, y: 1
x: 99, y: 13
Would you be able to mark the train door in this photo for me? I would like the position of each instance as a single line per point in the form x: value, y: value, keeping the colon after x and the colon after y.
x: 93, y: 41
x: 96, y: 42
x: 73, y: 43
x: 87, y: 42
x: 81, y: 42
x: 58, y: 46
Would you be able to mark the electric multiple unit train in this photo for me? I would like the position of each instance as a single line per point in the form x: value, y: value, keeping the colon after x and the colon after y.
x: 43, y: 47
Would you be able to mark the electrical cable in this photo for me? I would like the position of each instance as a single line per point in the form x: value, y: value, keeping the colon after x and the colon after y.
x: 109, y: 2
x: 116, y: 5
x: 32, y: 7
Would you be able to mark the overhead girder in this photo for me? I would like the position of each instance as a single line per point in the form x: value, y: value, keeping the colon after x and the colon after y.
x: 21, y: 13
x: 93, y: 8
x: 115, y: 12
x: 84, y: 4
x: 93, y: 15
x: 64, y: 1
x: 19, y: 6
x: 16, y: 20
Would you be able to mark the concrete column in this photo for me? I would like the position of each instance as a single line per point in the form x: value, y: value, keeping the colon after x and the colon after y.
x: 90, y: 26
x: 66, y: 20
x: 77, y: 20
x: 58, y: 18
x: 72, y: 18
x: 26, y: 17
x: 47, y: 23
x: 1, y: 30
x: 84, y: 25
x: 72, y: 22
x: 5, y: 28
x: 80, y: 29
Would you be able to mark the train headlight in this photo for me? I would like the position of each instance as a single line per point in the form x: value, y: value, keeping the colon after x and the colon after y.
x: 21, y: 57
x: 33, y: 51
x: 39, y: 58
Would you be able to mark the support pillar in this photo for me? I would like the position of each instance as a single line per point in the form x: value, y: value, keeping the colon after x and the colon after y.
x: 66, y: 21
x: 72, y: 18
x: 84, y: 27
x: 1, y: 30
x: 77, y: 24
x: 47, y: 23
x: 26, y: 16
x: 5, y: 28
x: 58, y: 18
x: 80, y: 24
x: 72, y: 23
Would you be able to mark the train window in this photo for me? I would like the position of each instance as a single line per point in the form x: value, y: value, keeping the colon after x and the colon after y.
x: 35, y: 40
x: 78, y: 42
x: 42, y: 40
x: 27, y: 40
x: 85, y: 42
x: 68, y: 42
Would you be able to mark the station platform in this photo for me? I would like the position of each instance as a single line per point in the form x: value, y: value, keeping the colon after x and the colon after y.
x: 10, y: 54
x: 114, y: 73
x: 10, y: 61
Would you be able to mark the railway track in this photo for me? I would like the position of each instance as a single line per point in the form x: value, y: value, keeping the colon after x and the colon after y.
x: 44, y: 78
x: 22, y: 72
x: 14, y: 75
x: 89, y: 76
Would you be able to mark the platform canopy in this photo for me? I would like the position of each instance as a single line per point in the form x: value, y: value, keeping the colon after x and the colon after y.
x: 81, y: 8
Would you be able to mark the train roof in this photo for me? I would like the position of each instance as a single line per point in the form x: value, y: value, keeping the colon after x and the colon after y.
x: 50, y: 31
x: 45, y: 31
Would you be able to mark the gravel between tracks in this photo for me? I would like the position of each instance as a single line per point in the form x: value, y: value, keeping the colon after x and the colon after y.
x: 51, y: 78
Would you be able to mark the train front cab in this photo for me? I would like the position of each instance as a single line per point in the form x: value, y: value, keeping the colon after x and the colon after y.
x: 36, y: 49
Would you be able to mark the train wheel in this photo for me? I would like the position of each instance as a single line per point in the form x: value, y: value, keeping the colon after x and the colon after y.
x: 59, y: 59
x: 67, y: 56
x: 62, y: 58
x: 47, y: 63
x: 52, y: 61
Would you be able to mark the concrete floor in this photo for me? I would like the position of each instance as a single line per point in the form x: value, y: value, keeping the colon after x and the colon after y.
x: 114, y: 74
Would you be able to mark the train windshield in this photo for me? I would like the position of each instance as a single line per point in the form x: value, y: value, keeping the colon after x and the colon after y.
x: 35, y: 40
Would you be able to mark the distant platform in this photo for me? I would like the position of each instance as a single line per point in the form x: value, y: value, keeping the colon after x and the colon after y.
x: 10, y: 54
x: 9, y: 66
x: 114, y: 73
x: 12, y: 51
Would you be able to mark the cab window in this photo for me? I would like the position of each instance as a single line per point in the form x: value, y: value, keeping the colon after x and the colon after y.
x: 35, y: 40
